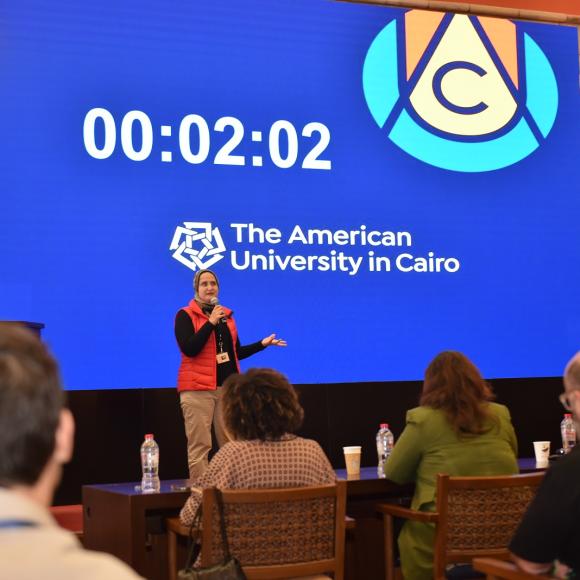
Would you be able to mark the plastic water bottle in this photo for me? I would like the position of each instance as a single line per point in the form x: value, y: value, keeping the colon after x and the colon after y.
x: 385, y: 443
x: 568, y: 433
x: 150, y: 465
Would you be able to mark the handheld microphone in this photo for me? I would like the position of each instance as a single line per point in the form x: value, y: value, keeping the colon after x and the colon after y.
x: 215, y: 302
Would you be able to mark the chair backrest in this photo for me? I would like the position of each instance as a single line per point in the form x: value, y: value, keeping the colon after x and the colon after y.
x: 278, y: 533
x: 479, y: 515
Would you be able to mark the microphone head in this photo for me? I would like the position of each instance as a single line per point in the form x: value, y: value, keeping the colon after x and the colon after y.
x: 213, y: 300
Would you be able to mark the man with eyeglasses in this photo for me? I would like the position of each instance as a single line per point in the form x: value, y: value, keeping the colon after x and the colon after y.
x: 548, y: 538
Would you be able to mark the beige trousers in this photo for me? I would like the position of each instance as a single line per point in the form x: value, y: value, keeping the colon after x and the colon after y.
x: 200, y: 409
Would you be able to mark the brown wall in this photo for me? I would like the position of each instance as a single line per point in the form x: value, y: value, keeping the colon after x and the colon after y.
x: 558, y: 11
x: 570, y: 7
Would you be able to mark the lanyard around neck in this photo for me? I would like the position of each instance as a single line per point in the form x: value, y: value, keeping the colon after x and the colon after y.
x: 4, y: 524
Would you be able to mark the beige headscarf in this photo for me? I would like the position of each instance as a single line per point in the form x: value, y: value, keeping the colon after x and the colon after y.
x: 196, y: 285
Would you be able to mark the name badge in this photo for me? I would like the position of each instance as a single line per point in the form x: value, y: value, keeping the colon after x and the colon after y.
x: 222, y: 357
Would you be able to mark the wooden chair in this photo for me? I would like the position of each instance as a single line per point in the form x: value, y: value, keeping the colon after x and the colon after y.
x: 175, y: 530
x: 69, y: 517
x: 274, y: 533
x: 475, y: 516
x: 500, y: 569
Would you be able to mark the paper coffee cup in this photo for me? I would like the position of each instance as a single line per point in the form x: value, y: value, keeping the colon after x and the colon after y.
x: 542, y: 451
x: 352, y: 459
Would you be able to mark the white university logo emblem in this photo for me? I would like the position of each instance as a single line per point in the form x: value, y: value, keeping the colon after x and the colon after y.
x: 196, y: 245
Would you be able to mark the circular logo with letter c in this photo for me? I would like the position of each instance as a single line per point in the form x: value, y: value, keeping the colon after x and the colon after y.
x: 463, y: 93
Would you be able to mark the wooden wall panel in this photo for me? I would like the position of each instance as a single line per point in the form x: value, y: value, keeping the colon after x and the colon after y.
x: 111, y: 424
x: 557, y: 11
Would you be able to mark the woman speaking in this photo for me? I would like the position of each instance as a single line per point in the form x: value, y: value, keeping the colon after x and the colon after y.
x: 210, y: 350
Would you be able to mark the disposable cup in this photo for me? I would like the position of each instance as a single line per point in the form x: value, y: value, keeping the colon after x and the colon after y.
x: 352, y: 459
x: 542, y: 451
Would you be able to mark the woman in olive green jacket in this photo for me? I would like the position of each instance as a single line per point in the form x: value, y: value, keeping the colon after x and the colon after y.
x: 456, y: 430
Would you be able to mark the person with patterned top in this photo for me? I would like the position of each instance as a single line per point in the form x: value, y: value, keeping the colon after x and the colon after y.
x: 261, y: 412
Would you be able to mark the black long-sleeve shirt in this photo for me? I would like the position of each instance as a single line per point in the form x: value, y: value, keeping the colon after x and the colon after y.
x: 191, y: 342
x: 549, y: 529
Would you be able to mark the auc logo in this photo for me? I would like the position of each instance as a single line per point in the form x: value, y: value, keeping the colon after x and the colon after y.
x: 460, y: 92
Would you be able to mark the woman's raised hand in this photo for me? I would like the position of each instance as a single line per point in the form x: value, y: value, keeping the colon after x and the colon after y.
x: 273, y: 341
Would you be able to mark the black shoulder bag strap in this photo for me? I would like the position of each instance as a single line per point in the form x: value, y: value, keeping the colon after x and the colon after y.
x: 225, y: 543
x: 195, y: 547
x: 196, y: 524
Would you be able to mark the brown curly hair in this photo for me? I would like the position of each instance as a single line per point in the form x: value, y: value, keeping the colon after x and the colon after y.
x: 260, y: 404
x: 454, y: 385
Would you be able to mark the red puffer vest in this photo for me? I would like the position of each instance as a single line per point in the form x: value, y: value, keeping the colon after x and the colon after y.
x: 198, y: 373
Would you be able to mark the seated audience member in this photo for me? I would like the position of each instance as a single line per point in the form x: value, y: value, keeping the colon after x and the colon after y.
x: 457, y: 430
x: 261, y: 412
x: 36, y: 439
x: 548, y: 538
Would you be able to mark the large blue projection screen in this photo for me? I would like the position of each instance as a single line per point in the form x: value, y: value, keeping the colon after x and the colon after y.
x: 374, y: 185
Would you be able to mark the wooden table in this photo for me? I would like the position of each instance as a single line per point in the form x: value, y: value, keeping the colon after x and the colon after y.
x: 131, y: 525
x: 365, y: 548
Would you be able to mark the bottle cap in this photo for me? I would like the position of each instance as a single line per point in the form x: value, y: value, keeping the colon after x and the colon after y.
x: 148, y: 436
x: 384, y: 425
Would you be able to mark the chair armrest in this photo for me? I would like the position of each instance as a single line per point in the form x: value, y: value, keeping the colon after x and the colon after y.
x: 398, y: 511
x: 503, y: 569
x: 349, y: 523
